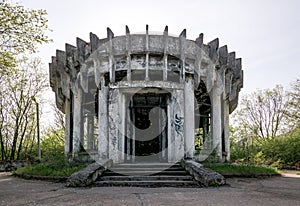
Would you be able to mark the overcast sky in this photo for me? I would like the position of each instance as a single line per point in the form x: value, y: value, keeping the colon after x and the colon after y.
x: 264, y: 33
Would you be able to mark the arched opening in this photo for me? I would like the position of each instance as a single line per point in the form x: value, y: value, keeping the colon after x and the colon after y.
x: 146, y: 125
x: 89, y: 123
x: 202, y: 116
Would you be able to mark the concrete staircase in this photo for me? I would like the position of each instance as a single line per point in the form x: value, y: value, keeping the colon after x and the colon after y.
x: 147, y: 175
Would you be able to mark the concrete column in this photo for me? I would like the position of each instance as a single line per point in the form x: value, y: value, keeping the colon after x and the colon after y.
x: 90, y: 132
x: 113, y: 124
x: 176, y: 124
x: 77, y: 122
x: 122, y: 126
x: 171, y: 135
x: 226, y: 130
x: 103, y: 124
x: 67, y: 126
x: 216, y: 122
x: 189, y: 118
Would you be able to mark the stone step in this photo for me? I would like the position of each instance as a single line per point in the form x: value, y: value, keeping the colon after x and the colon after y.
x: 148, y: 183
x: 156, y: 169
x: 148, y: 165
x: 145, y: 178
x: 147, y: 175
x: 143, y: 173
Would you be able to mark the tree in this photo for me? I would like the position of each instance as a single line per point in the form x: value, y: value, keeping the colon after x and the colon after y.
x: 21, y: 30
x: 59, y: 118
x: 294, y: 104
x: 17, y: 109
x: 266, y: 127
x: 263, y: 114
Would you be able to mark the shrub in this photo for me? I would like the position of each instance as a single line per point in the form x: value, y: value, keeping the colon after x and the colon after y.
x: 284, y: 148
x: 279, y: 151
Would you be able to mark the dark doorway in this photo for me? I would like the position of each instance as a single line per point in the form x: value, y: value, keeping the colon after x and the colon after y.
x: 148, y: 127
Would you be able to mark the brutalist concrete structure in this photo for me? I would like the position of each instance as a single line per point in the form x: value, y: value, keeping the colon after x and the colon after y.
x: 146, y: 97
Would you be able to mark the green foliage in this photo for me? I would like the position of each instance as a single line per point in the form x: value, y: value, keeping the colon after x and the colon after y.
x: 21, y: 29
x: 279, y: 151
x: 244, y: 170
x: 199, y: 139
x: 53, y: 159
x: 58, y: 168
x: 294, y: 103
x: 267, y: 129
x: 285, y: 148
x: 52, y: 145
x: 18, y: 110
x: 262, y: 114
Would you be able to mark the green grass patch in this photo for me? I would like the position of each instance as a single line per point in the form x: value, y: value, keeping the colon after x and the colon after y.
x: 50, y: 169
x: 242, y: 170
x: 298, y: 173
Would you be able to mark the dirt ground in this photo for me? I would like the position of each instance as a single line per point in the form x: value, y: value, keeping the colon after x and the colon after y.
x: 239, y: 191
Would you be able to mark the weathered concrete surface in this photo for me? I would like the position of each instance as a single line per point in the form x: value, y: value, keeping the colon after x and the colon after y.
x: 118, y: 65
x: 89, y: 174
x: 204, y: 176
x: 242, y: 191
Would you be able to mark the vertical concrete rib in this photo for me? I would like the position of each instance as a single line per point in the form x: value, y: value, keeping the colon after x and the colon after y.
x: 182, y: 43
x: 110, y: 36
x: 165, y: 40
x: 128, y: 53
x: 147, y: 53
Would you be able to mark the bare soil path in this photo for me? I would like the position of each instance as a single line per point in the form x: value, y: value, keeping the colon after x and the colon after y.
x: 240, y: 191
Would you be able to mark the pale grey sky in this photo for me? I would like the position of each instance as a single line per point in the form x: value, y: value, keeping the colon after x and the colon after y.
x: 264, y: 33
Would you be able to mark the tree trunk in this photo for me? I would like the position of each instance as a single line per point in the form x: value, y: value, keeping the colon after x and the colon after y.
x: 22, y: 139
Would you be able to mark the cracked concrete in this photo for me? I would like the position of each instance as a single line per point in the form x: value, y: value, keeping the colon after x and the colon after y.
x: 240, y: 191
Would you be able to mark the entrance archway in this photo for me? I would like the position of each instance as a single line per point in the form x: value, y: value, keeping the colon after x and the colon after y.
x: 146, y: 138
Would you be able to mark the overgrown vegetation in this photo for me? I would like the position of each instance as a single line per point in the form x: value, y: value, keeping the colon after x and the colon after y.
x: 55, y: 168
x: 53, y: 161
x: 22, y: 80
x: 266, y: 128
x: 244, y: 170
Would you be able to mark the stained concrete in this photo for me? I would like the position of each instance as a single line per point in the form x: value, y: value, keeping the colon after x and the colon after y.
x: 241, y: 191
x: 117, y: 66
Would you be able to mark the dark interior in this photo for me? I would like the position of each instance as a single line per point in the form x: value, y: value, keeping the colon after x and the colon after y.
x: 146, y: 115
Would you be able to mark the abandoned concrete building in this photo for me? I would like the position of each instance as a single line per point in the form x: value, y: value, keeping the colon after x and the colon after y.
x: 146, y: 97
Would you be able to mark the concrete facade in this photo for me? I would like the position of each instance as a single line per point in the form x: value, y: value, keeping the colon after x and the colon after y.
x: 146, y: 97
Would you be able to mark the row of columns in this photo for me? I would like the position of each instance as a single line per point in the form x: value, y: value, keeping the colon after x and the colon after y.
x: 219, y: 122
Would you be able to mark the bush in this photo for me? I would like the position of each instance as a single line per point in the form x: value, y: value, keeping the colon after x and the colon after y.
x: 284, y: 148
x: 276, y: 152
x: 52, y: 146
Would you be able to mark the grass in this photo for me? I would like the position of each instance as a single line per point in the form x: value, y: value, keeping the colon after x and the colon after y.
x: 242, y: 170
x: 298, y: 173
x: 50, y: 169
